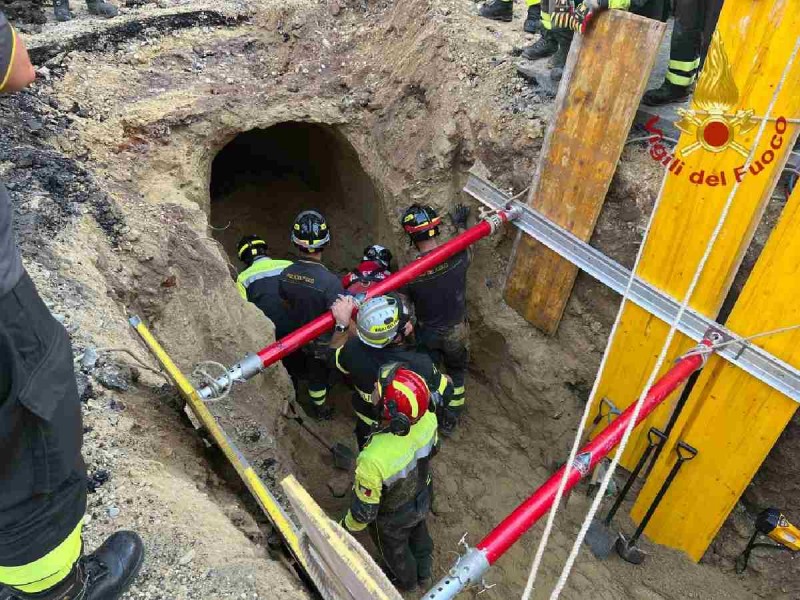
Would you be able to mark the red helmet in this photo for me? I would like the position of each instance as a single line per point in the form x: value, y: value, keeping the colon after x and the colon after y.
x: 404, y: 397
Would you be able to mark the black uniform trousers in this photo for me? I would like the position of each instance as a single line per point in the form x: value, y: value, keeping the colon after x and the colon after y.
x: 449, y: 347
x: 404, y: 542
x: 695, y: 21
x: 42, y: 473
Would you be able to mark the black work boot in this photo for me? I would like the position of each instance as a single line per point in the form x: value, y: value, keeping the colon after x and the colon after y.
x: 61, y: 10
x: 559, y: 59
x: 666, y: 94
x: 497, y: 10
x: 542, y: 48
x: 448, y: 422
x: 533, y: 22
x: 101, y: 8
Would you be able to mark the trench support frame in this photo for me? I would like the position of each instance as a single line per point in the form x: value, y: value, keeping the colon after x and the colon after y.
x: 254, y: 363
x: 470, y: 568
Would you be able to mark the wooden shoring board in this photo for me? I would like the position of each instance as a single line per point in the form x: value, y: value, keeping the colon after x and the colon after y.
x: 732, y: 418
x: 604, y: 79
x: 758, y: 38
x: 338, y: 564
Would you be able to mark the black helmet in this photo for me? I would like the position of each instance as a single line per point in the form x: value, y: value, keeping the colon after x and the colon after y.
x: 378, y: 254
x: 249, y: 248
x: 421, y: 222
x: 310, y: 232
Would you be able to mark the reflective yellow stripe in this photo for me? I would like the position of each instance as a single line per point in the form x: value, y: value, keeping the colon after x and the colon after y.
x: 317, y: 393
x: 338, y: 362
x: 533, y: 2
x: 412, y: 400
x: 7, y: 74
x: 620, y: 4
x: 459, y: 391
x: 352, y: 524
x: 682, y: 65
x: 457, y: 403
x: 242, y: 290
x: 366, y: 420
x: 679, y: 79
x: 442, y: 384
x: 49, y: 570
x: 547, y: 20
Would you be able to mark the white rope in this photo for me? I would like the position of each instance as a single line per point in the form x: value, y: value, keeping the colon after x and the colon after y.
x: 537, y: 559
x: 562, y: 580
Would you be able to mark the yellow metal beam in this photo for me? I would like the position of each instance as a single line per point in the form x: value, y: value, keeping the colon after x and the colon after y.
x: 730, y: 417
x: 268, y: 503
x: 758, y: 38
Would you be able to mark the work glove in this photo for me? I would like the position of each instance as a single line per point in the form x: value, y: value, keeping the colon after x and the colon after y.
x: 459, y: 216
x: 585, y: 12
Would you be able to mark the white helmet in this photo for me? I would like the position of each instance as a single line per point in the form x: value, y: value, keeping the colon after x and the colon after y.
x: 378, y: 321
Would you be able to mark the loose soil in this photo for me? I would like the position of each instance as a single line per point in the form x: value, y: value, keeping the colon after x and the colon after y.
x: 149, y: 146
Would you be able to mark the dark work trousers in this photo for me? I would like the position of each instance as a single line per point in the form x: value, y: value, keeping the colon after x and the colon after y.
x: 695, y: 21
x: 404, y: 543
x: 448, y: 347
x: 363, y: 432
x: 316, y: 371
x: 42, y: 474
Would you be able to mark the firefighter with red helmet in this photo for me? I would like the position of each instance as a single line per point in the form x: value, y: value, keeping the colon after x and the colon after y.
x: 392, y: 488
x: 440, y: 302
x: 374, y: 267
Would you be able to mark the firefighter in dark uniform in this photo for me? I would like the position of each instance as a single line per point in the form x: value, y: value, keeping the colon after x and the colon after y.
x: 382, y: 325
x: 42, y: 473
x: 440, y: 302
x: 258, y: 283
x: 392, y: 487
x: 308, y: 289
x: 695, y: 22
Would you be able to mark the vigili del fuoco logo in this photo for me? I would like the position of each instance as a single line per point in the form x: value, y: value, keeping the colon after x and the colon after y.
x: 714, y: 128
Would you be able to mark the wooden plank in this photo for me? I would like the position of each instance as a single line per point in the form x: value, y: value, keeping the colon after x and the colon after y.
x: 730, y: 417
x: 758, y: 39
x: 604, y: 79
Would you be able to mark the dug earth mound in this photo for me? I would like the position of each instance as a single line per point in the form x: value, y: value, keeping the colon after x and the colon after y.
x: 153, y: 141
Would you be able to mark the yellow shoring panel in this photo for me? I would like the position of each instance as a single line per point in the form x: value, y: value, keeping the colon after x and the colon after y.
x: 263, y: 496
x: 730, y: 417
x: 758, y: 38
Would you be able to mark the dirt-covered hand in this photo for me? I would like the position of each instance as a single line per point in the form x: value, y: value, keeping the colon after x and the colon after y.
x: 459, y: 216
x: 342, y: 310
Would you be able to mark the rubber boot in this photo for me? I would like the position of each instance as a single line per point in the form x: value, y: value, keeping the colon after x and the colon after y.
x: 101, y: 8
x: 666, y: 94
x: 106, y: 574
x: 559, y: 59
x: 61, y: 10
x: 533, y: 22
x: 497, y: 10
x: 542, y: 48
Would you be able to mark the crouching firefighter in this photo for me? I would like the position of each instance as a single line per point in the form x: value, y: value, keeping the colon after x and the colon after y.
x: 42, y: 473
x: 440, y: 301
x: 308, y: 289
x: 382, y: 325
x: 392, y: 488
x: 374, y: 267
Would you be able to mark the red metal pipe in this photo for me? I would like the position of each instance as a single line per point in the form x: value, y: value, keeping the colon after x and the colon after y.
x: 288, y: 344
x: 502, y: 537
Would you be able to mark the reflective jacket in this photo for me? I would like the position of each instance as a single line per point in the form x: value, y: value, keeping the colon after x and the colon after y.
x: 258, y: 284
x: 391, y: 471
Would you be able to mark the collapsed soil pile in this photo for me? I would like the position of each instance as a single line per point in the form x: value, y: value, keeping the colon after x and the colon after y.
x: 147, y: 129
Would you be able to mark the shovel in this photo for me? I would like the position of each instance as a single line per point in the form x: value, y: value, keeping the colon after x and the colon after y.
x: 343, y: 457
x: 599, y: 538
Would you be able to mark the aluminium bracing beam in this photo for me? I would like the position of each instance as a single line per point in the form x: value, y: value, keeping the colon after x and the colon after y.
x: 252, y: 364
x: 470, y: 568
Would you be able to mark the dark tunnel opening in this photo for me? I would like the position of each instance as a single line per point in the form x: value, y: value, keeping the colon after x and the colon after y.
x: 264, y: 177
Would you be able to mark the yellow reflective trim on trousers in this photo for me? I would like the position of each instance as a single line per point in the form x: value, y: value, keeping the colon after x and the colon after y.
x: 338, y: 362
x: 49, y: 570
x: 547, y: 20
x: 353, y: 525
x: 366, y: 420
x: 620, y: 4
x: 459, y: 402
x: 412, y: 400
x: 679, y: 79
x: 442, y: 384
x: 683, y: 65
x: 533, y: 2
x: 318, y: 393
x: 459, y: 390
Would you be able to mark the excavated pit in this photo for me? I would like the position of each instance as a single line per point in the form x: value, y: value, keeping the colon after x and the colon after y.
x: 263, y: 178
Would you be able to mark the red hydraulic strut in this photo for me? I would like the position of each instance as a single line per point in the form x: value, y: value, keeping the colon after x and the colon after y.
x: 469, y: 569
x: 252, y: 364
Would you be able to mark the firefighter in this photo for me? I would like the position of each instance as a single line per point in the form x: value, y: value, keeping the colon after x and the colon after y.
x: 503, y: 10
x: 42, y: 473
x: 439, y: 297
x: 392, y: 487
x: 258, y: 283
x: 383, y: 324
x: 308, y: 289
x: 96, y: 7
x: 374, y: 267
x: 695, y: 21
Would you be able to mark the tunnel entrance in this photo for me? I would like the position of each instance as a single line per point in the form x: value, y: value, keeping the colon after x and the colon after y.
x: 264, y: 177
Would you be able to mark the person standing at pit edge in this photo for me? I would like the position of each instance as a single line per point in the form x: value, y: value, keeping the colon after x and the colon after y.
x: 309, y: 289
x: 42, y: 473
x: 440, y: 303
